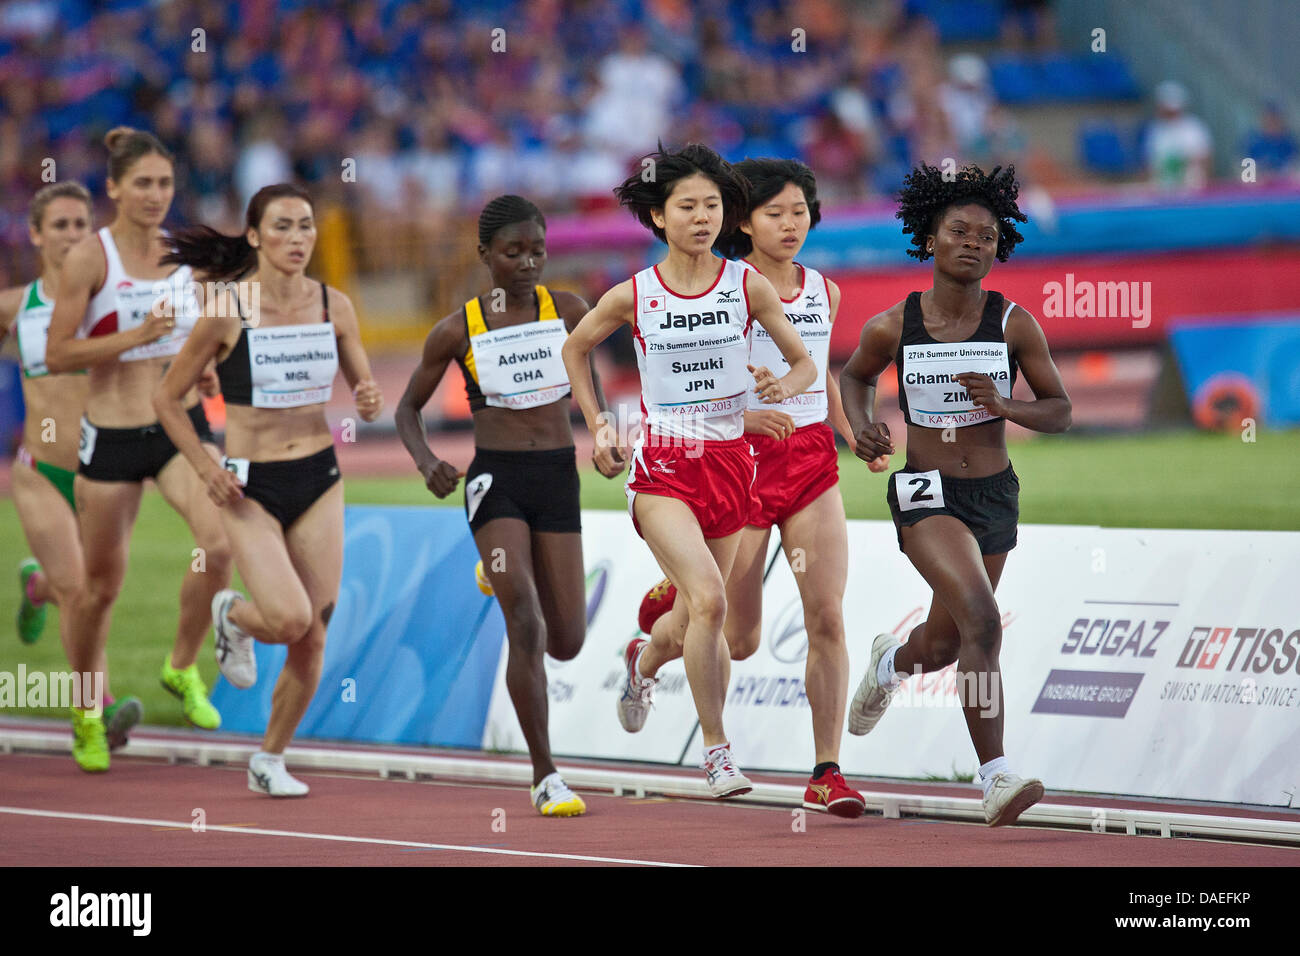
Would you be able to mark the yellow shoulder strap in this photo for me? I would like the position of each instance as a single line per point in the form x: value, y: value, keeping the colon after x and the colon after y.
x: 545, y: 305
x: 474, y: 325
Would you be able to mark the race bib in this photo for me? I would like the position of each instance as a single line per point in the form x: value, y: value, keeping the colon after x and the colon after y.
x: 292, y: 365
x: 520, y: 366
x: 237, y: 467
x: 918, y: 489
x: 701, y: 377
x: 136, y: 300
x: 935, y: 399
x: 33, y: 335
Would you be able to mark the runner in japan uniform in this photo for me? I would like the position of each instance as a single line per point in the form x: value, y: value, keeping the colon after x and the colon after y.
x: 930, y: 396
x: 794, y: 471
x: 692, y: 470
x: 693, y: 355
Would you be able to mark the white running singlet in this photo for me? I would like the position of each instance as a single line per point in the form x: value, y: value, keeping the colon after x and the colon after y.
x: 693, y: 353
x: 123, y: 302
x: 810, y: 314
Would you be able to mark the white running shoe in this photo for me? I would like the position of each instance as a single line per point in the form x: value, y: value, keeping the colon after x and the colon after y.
x: 234, y: 646
x: 553, y: 798
x: 724, y: 779
x: 870, y: 701
x: 638, y: 692
x: 266, y: 774
x: 1008, y: 797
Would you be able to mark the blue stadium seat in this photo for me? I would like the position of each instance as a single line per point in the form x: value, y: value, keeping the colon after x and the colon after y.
x: 1102, y: 149
x: 961, y: 20
x: 1061, y: 78
x: 1111, y: 78
x: 1015, y: 79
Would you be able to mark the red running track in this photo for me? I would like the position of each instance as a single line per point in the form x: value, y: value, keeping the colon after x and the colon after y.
x: 367, y: 821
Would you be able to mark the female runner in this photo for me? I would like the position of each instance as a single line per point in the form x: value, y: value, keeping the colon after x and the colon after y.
x: 60, y: 216
x: 278, y: 488
x: 955, y: 502
x: 123, y: 314
x: 693, y: 470
x: 797, y: 488
x: 521, y: 492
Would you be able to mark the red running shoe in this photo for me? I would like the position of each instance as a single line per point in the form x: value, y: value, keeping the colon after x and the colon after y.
x: 830, y: 793
x: 657, y: 602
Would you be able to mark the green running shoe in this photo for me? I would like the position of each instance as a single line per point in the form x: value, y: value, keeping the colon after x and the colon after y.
x: 89, y: 745
x: 193, y: 693
x: 119, y: 717
x: 31, y: 617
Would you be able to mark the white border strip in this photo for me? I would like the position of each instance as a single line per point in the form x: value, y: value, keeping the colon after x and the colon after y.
x: 621, y: 782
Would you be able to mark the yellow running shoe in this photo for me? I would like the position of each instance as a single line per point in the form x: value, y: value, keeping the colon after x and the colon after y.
x: 553, y: 798
x: 89, y: 744
x: 189, y: 687
x: 481, y: 577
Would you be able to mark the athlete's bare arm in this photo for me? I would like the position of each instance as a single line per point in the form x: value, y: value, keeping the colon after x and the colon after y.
x: 353, y: 362
x: 572, y: 308
x: 83, y: 272
x: 212, y: 337
x: 834, y: 406
x: 11, y: 300
x: 616, y: 307
x: 877, y: 346
x: 1051, y: 409
x: 441, y: 346
x: 768, y: 311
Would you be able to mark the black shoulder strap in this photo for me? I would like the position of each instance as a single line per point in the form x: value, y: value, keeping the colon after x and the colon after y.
x: 325, y: 298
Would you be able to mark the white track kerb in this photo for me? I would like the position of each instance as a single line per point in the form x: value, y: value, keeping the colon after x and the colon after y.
x: 1153, y: 821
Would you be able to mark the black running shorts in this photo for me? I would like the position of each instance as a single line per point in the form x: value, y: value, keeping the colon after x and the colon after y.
x: 990, y: 506
x: 132, y: 454
x: 286, y: 489
x: 538, y: 487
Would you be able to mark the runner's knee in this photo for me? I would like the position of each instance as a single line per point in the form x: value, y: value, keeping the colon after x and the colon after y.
x: 288, y: 621
x: 825, y: 626
x: 706, y: 604
x: 983, y: 631
x: 743, y: 645
x: 565, y: 643
x: 526, y: 633
x: 100, y: 592
x: 217, y: 556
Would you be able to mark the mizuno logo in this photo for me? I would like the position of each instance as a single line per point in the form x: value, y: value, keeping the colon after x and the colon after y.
x: 263, y: 780
x: 663, y: 466
x: 810, y: 301
x: 822, y: 790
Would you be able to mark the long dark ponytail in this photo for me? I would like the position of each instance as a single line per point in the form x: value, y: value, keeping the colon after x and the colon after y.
x: 221, y: 257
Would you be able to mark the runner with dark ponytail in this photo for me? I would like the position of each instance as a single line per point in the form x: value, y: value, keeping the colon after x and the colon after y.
x: 278, y: 339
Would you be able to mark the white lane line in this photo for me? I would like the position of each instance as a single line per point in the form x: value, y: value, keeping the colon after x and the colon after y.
x: 139, y: 821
